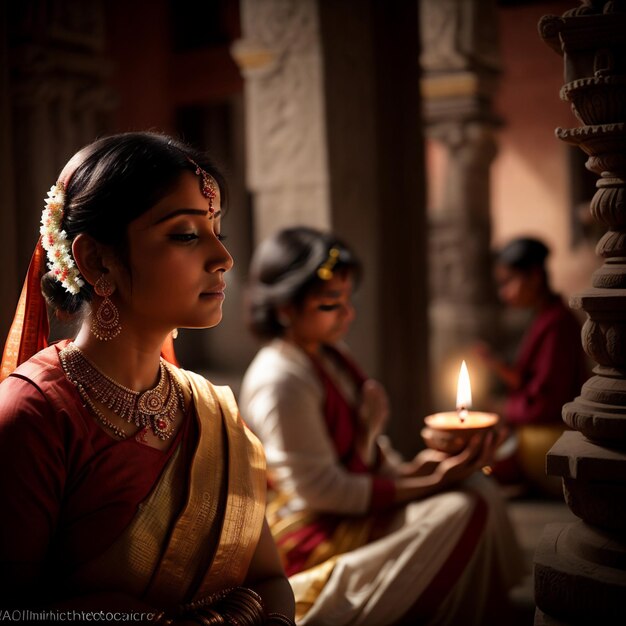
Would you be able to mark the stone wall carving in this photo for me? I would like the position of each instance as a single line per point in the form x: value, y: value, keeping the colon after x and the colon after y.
x: 456, y: 37
x: 281, y: 60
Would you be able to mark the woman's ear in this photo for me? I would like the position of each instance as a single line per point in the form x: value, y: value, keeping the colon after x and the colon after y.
x: 284, y: 315
x: 91, y: 257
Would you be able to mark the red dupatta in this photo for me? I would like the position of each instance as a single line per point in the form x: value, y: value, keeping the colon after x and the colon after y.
x: 342, y: 418
x: 28, y: 333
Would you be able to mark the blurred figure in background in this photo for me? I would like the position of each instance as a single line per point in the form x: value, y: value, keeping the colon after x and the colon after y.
x: 365, y: 537
x: 549, y: 369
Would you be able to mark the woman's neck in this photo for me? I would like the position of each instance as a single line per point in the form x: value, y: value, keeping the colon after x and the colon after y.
x: 545, y: 299
x: 129, y: 359
x: 312, y: 348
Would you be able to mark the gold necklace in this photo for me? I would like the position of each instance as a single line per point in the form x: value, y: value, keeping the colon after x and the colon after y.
x: 156, y: 408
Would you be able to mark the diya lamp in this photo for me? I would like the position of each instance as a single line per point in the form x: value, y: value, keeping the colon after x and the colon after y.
x: 450, y: 431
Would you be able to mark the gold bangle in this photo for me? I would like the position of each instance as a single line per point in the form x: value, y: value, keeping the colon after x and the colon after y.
x: 246, y: 605
x: 205, y: 601
x: 208, y: 617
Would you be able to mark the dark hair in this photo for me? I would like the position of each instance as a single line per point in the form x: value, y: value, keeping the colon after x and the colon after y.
x: 284, y: 270
x: 523, y: 254
x: 118, y: 179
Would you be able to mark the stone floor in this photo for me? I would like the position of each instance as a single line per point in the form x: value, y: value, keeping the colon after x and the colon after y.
x: 529, y: 518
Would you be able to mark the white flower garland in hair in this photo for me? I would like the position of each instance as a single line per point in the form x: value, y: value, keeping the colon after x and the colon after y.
x: 55, y: 241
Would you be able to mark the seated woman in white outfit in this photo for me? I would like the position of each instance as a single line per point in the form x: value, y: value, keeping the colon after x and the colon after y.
x: 365, y: 537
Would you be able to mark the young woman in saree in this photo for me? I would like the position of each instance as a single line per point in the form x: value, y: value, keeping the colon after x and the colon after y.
x: 548, y: 371
x: 129, y: 484
x: 365, y: 537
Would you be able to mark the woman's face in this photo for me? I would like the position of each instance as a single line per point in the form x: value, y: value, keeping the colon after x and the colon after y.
x: 177, y: 263
x: 325, y: 315
x: 516, y: 288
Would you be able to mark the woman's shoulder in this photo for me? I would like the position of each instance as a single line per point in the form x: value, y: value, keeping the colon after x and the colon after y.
x: 20, y: 395
x: 558, y: 317
x: 280, y: 361
x: 279, y: 373
x: 36, y: 375
x: 37, y: 388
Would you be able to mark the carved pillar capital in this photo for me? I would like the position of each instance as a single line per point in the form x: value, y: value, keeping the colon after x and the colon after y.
x: 458, y: 36
x: 472, y: 142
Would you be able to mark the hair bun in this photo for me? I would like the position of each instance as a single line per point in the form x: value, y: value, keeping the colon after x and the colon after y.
x: 59, y: 298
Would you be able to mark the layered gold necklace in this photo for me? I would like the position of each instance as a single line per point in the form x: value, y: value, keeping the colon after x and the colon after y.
x: 155, y: 408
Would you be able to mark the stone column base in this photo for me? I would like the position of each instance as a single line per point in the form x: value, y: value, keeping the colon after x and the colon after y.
x: 541, y: 619
x: 580, y: 575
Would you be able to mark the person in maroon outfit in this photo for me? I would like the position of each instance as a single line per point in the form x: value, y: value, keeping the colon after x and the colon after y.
x: 549, y: 369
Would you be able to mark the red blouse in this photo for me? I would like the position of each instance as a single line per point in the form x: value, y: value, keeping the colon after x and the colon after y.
x: 552, y: 366
x: 341, y: 422
x: 68, y: 488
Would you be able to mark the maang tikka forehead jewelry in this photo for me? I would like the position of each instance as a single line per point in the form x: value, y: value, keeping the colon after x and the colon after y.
x: 208, y: 185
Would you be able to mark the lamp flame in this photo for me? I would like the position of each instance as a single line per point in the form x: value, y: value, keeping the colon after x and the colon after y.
x: 463, y: 392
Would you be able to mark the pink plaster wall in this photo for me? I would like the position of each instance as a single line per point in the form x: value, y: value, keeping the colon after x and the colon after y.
x: 530, y: 192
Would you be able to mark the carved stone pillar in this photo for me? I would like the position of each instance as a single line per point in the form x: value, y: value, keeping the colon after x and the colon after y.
x: 580, y: 568
x: 335, y: 140
x: 460, y: 61
x: 58, y: 95
x: 280, y: 58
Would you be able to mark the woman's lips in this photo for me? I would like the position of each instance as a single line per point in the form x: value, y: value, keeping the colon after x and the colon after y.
x: 217, y: 292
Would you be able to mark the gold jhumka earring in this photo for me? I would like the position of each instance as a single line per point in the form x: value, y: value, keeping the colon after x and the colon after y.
x: 106, y: 321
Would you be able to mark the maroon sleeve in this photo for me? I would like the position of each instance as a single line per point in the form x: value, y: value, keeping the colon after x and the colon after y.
x: 383, y: 493
x: 552, y: 377
x: 32, y: 476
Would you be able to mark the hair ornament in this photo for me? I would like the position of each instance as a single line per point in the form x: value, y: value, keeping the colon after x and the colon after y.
x: 208, y: 186
x: 325, y: 271
x: 55, y: 242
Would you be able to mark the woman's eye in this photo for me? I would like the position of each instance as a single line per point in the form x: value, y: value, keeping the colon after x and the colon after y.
x: 328, y: 307
x: 221, y: 237
x: 183, y: 237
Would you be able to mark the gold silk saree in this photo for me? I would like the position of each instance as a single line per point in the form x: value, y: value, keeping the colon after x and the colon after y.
x: 197, y: 531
